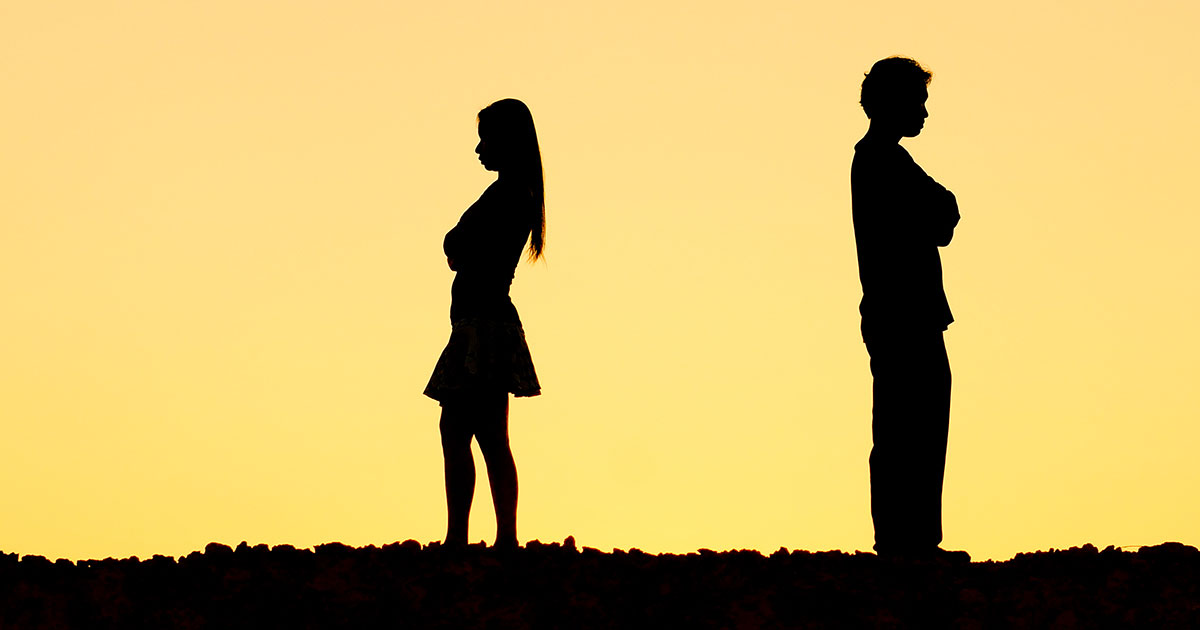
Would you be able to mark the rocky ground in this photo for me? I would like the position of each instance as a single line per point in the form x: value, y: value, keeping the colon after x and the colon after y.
x: 406, y: 585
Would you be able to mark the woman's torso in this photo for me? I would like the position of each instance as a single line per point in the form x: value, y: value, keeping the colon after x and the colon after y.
x: 485, y: 247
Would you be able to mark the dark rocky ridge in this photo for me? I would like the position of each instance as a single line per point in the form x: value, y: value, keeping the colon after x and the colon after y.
x: 405, y: 585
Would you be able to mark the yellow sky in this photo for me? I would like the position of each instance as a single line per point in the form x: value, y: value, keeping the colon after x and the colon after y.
x: 220, y: 232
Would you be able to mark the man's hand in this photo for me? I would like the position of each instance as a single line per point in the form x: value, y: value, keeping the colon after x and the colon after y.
x: 944, y: 230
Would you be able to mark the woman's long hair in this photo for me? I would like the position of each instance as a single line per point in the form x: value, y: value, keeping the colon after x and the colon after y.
x: 509, y: 124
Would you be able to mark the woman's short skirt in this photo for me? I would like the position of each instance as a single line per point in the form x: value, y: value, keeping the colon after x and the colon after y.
x: 483, y: 356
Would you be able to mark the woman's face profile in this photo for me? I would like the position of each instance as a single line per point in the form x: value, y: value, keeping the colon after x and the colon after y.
x: 491, y: 153
x: 485, y: 155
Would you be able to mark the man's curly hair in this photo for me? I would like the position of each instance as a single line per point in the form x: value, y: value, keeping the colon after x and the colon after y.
x: 891, y: 80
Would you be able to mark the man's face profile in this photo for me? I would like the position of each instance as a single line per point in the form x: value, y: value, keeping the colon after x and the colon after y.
x: 908, y: 113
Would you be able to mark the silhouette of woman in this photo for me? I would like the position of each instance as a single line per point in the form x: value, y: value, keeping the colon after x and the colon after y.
x: 486, y: 357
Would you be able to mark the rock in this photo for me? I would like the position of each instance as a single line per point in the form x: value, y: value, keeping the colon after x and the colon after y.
x: 217, y: 549
x: 405, y: 585
x: 35, y: 562
x: 1173, y: 548
x: 333, y: 547
x: 408, y: 546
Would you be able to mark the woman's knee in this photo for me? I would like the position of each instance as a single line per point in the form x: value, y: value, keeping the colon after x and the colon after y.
x: 492, y: 431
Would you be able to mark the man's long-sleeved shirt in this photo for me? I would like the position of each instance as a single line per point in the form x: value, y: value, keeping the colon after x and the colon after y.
x: 901, y: 217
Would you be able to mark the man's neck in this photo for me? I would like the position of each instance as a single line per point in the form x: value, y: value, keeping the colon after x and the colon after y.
x: 880, y: 134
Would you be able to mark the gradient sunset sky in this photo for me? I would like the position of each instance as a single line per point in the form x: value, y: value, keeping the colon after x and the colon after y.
x: 223, y: 285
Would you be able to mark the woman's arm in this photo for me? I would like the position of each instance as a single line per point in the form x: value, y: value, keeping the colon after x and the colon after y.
x: 484, y: 233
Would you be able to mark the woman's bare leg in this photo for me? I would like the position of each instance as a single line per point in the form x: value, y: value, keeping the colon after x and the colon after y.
x: 501, y: 468
x: 460, y: 471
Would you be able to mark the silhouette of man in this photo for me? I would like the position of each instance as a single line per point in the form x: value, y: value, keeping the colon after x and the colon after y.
x: 901, y: 217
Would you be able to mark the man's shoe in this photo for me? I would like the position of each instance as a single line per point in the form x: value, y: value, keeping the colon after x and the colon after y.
x: 951, y: 557
x: 937, y: 554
